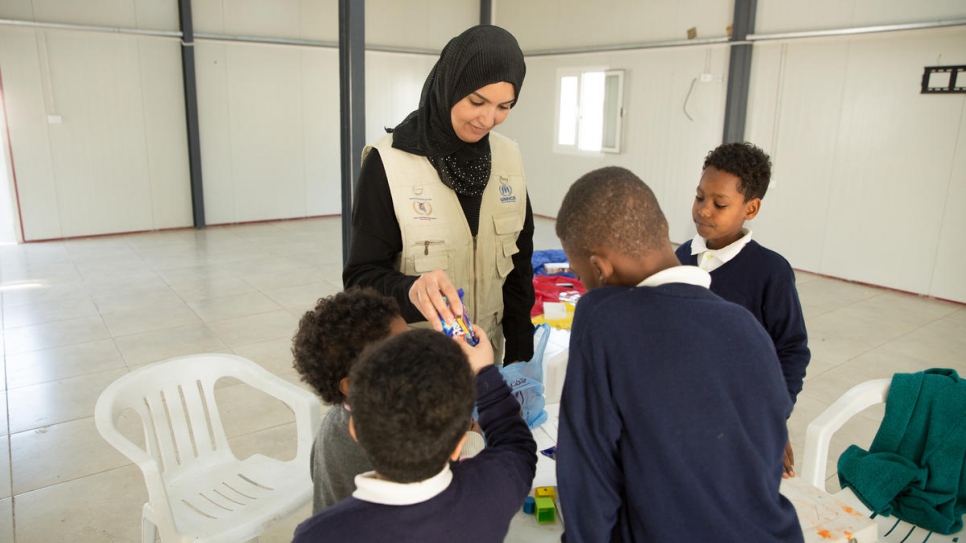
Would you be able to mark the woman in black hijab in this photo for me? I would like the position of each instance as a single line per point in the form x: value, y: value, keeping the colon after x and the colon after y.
x: 441, y: 202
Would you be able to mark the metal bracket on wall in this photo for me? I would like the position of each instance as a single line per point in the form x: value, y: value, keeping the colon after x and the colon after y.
x: 943, y: 80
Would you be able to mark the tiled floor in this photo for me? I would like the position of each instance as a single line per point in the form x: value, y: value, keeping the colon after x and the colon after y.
x: 78, y: 314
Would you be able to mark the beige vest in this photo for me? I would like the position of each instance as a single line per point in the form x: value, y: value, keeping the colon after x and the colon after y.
x: 435, y: 235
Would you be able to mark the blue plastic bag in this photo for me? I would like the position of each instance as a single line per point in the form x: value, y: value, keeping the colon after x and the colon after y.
x: 526, y: 380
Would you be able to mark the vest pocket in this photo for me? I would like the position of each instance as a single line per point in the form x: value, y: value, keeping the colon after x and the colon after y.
x: 424, y: 264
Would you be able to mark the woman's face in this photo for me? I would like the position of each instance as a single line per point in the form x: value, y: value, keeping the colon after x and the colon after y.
x: 476, y: 114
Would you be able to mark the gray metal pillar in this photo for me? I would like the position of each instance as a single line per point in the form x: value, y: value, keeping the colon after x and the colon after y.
x: 486, y: 12
x: 352, y: 92
x: 739, y: 71
x: 191, y: 112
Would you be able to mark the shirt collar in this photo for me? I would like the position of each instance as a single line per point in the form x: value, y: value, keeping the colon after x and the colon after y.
x: 372, y: 489
x: 691, y: 275
x: 724, y: 254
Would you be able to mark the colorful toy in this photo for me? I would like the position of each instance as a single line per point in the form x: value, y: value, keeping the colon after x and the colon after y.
x: 545, y: 492
x: 546, y: 511
x: 529, y: 505
x: 461, y: 326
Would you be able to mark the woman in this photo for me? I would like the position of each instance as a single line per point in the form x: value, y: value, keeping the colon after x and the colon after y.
x: 442, y: 204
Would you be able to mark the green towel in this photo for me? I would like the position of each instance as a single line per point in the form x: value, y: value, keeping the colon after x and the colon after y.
x: 916, y: 466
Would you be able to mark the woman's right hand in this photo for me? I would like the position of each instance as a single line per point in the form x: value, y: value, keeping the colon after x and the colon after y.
x: 427, y: 295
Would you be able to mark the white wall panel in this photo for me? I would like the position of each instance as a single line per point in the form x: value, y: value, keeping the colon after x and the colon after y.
x: 556, y: 24
x: 795, y: 104
x: 660, y: 144
x: 165, y: 132
x: 949, y: 280
x: 393, y: 84
x: 418, y: 24
x: 294, y: 19
x: 144, y: 14
x: 214, y: 126
x: 794, y: 15
x: 23, y: 94
x: 895, y: 152
x: 265, y: 101
x: 100, y: 150
x: 269, y: 118
x: 322, y: 144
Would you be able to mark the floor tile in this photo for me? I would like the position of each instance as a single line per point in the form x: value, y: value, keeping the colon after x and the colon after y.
x: 46, y: 365
x: 55, y: 334
x: 5, y: 486
x: 60, y: 401
x: 229, y: 307
x: 68, y: 307
x: 245, y: 410
x: 295, y: 276
x: 132, y: 297
x: 150, y: 318
x: 255, y: 328
x: 303, y: 298
x: 105, y: 506
x: 212, y: 287
x: 274, y: 355
x: 6, y: 520
x: 139, y: 349
x: 59, y: 453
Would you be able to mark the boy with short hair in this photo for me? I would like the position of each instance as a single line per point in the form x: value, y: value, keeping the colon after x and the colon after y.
x: 734, y: 179
x: 327, y: 344
x: 672, y: 418
x: 412, y: 399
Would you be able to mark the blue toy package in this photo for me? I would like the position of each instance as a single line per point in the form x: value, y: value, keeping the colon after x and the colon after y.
x: 461, y: 326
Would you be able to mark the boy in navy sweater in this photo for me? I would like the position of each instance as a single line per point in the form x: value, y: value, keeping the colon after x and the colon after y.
x: 672, y: 418
x: 734, y: 180
x: 412, y: 398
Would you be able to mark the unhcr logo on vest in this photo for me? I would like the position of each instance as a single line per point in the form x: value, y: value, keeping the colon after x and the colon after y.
x: 506, y: 194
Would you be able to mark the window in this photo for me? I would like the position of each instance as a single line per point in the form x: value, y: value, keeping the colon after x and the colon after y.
x: 589, y: 110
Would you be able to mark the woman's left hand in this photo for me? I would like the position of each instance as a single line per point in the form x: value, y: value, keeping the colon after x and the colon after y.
x: 427, y: 295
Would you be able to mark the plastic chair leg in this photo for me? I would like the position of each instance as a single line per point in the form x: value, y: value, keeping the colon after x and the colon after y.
x: 149, y: 532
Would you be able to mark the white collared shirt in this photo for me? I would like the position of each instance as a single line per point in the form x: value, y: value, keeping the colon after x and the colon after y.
x: 691, y: 275
x: 372, y: 489
x: 712, y: 259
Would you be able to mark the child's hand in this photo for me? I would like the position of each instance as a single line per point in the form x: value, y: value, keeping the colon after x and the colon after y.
x: 481, y: 355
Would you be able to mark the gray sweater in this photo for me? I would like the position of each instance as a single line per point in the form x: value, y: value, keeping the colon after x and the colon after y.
x: 336, y: 460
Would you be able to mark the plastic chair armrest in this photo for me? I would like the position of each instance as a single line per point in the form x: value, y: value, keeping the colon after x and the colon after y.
x: 818, y: 436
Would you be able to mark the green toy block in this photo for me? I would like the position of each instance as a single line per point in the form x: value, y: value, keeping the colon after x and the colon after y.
x: 546, y: 511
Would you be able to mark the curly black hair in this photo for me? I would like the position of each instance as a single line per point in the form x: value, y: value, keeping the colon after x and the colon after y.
x: 331, y: 337
x: 747, y: 162
x: 611, y: 207
x: 412, y: 396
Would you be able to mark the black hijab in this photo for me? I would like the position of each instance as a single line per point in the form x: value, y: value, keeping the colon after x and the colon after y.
x: 478, y: 57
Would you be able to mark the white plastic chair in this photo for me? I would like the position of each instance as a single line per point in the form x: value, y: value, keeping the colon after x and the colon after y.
x: 818, y: 437
x: 198, y: 490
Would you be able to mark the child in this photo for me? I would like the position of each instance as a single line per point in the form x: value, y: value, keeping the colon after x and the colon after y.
x: 734, y: 181
x: 412, y: 397
x: 328, y: 341
x: 672, y: 418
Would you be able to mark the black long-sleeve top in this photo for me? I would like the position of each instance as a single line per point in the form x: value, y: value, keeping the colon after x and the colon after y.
x: 376, y: 240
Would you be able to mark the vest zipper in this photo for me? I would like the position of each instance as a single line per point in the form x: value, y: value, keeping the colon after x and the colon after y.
x: 476, y: 296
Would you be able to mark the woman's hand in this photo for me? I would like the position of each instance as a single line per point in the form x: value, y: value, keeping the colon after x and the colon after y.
x: 427, y: 295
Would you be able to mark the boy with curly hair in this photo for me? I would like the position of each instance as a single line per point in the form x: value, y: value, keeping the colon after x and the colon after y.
x: 327, y: 344
x: 733, y: 182
x: 412, y: 397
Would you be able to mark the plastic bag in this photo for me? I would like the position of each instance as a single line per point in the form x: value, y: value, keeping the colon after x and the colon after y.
x: 525, y: 379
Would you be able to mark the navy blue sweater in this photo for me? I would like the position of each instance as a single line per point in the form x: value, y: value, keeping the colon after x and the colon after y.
x: 762, y: 281
x: 485, y: 493
x: 672, y: 424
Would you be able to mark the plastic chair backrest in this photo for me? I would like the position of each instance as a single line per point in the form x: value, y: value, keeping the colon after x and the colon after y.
x: 183, y: 430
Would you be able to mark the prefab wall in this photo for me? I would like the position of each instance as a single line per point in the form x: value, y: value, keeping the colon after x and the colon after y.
x: 869, y: 174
